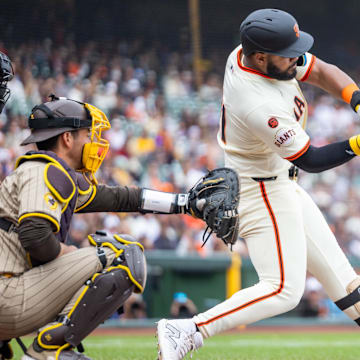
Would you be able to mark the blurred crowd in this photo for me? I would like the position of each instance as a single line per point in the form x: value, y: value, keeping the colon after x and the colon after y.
x: 163, y: 130
x: 163, y: 134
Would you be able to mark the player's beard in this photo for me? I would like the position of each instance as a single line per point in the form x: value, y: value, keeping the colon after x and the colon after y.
x: 274, y: 72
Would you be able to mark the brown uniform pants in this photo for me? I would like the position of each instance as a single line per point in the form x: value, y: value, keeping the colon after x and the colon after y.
x: 35, y: 298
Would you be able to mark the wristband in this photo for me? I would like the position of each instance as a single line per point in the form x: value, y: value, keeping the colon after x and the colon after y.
x: 354, y: 142
x: 162, y: 202
x: 348, y: 91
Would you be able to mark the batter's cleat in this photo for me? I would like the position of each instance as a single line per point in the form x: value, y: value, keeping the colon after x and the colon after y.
x: 176, y: 338
x: 32, y: 354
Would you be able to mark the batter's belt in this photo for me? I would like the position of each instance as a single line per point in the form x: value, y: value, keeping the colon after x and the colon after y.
x: 293, y: 174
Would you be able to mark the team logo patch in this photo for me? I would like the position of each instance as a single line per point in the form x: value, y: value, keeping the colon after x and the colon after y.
x: 284, y: 137
x: 49, y: 199
x: 273, y: 122
x: 296, y: 29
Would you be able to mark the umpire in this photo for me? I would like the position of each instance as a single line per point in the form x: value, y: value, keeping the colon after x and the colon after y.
x: 45, y: 285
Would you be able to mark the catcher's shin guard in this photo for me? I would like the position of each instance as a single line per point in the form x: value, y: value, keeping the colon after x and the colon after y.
x: 103, y: 294
x: 352, y: 299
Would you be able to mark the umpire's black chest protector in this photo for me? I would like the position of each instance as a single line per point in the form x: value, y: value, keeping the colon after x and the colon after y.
x: 60, y: 179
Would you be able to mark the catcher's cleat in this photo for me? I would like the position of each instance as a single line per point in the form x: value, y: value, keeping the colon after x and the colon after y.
x: 176, y: 338
x: 5, y: 350
x: 32, y: 354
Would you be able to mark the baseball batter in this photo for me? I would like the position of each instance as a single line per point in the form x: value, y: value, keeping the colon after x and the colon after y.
x: 262, y: 132
x: 60, y: 291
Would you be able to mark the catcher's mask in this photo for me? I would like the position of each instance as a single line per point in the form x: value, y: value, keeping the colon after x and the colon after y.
x: 6, y: 74
x: 61, y: 115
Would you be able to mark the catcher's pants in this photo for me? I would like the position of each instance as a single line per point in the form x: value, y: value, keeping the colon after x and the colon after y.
x: 286, y: 235
x: 37, y: 297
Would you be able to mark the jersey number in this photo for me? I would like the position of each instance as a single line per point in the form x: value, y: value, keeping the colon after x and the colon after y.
x: 223, y: 124
x: 300, y: 108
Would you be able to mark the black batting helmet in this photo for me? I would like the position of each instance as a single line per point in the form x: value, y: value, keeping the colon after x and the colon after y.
x: 274, y: 32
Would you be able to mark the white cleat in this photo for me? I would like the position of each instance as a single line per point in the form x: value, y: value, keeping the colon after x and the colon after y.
x: 176, y: 338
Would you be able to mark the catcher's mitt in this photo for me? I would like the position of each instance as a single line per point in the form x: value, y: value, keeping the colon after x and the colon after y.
x: 215, y: 199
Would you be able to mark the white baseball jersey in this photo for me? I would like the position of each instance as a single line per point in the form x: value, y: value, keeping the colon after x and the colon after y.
x: 261, y: 129
x: 263, y: 119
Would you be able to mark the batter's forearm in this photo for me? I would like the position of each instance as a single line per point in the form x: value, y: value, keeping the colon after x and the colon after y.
x: 316, y: 160
x: 331, y: 79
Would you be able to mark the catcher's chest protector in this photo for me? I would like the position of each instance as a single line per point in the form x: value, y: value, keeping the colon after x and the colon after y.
x: 58, y: 178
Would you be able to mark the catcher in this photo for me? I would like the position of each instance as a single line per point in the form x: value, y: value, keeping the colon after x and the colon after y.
x: 60, y: 291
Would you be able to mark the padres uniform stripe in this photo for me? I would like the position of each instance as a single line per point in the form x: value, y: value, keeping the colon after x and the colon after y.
x: 245, y: 68
x: 299, y: 153
x: 280, y: 260
x: 312, y: 62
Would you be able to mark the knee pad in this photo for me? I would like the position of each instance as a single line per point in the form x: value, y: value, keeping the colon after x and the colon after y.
x: 352, y: 299
x: 127, y: 250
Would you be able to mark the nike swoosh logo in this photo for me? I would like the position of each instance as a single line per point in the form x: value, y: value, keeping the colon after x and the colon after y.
x: 172, y: 334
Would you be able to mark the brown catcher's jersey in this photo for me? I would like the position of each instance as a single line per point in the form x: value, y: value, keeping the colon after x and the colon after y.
x: 25, y: 193
x: 263, y: 119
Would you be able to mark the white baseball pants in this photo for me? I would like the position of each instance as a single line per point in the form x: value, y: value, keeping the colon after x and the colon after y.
x: 286, y: 235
